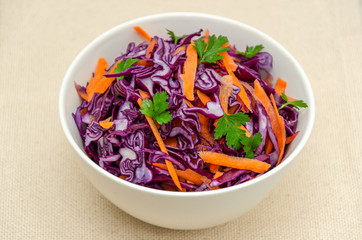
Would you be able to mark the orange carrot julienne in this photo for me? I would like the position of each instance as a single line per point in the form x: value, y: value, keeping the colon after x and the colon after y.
x: 204, y: 123
x: 242, y: 94
x: 172, y: 141
x: 269, y: 80
x: 144, y: 63
x: 268, y: 146
x: 247, y: 133
x: 280, y: 86
x: 227, y: 60
x: 161, y: 144
x: 188, y: 103
x: 233, y: 109
x: 282, y: 132
x: 106, y: 123
x: 142, y: 32
x: 291, y: 138
x: 179, y: 49
x: 102, y: 65
x: 168, y: 187
x: 188, y: 77
x: 102, y: 84
x: 226, y: 89
x: 206, y: 36
x: 150, y: 47
x: 234, y: 162
x: 187, y: 174
x: 144, y: 94
x: 265, y: 101
x: 218, y: 174
x: 81, y: 93
x: 83, y: 111
x: 213, y: 168
x: 203, y: 97
x: 249, y: 88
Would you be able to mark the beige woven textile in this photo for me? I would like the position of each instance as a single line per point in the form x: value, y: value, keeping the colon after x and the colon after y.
x: 43, y: 193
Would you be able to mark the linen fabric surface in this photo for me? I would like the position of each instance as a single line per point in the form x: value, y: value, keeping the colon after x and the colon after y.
x: 44, y: 195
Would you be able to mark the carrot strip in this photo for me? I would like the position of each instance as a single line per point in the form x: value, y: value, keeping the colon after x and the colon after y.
x: 281, y: 130
x: 172, y: 141
x: 81, y: 93
x: 203, y: 97
x: 247, y: 133
x: 227, y: 60
x: 269, y: 80
x: 217, y: 174
x: 242, y: 94
x: 179, y: 49
x: 280, y: 86
x: 188, y: 77
x: 187, y: 174
x: 188, y: 103
x: 106, y: 123
x: 231, y: 47
x: 265, y: 101
x: 150, y: 47
x: 268, y: 146
x: 233, y: 109
x: 234, y: 162
x: 226, y: 89
x: 142, y: 32
x: 204, y: 123
x: 160, y: 142
x: 102, y: 65
x: 206, y: 36
x: 249, y: 88
x: 144, y: 94
x: 168, y: 187
x: 103, y: 84
x: 213, y: 168
x: 291, y: 138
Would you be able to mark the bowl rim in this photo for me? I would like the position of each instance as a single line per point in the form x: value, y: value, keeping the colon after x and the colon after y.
x: 133, y: 22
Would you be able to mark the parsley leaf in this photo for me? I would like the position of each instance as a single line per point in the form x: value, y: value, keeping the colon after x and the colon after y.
x: 250, y: 143
x: 297, y: 104
x: 156, y: 109
x: 174, y: 37
x: 123, y: 65
x: 210, y: 52
x: 251, y: 51
x: 228, y: 126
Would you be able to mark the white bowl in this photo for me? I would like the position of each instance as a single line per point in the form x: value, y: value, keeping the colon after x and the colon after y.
x: 183, y: 210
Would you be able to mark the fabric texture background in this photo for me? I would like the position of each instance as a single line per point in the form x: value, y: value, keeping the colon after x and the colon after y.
x: 43, y: 193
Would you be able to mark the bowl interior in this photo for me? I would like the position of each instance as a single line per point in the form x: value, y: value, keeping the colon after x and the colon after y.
x: 114, y: 42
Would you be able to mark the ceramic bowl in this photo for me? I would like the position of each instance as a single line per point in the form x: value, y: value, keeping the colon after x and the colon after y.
x: 183, y: 210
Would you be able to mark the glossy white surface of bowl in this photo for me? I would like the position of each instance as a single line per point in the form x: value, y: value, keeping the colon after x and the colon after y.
x: 179, y: 210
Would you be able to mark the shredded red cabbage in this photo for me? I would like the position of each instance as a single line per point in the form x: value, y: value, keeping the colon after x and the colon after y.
x: 128, y: 149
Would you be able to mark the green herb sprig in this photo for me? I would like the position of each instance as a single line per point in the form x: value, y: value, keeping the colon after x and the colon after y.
x: 210, y: 52
x: 157, y: 108
x: 123, y: 65
x: 174, y: 37
x: 297, y: 103
x: 228, y: 126
x: 251, y: 51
